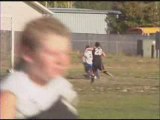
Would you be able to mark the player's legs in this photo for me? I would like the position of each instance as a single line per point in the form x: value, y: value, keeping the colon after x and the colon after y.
x: 99, y: 68
x: 97, y: 76
x: 105, y: 71
x: 95, y: 72
x: 85, y: 69
x: 90, y: 71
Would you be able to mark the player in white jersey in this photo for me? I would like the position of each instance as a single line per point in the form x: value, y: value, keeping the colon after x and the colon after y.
x: 88, y: 58
x: 37, y: 88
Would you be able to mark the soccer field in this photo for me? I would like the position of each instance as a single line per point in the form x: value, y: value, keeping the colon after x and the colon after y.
x: 133, y: 93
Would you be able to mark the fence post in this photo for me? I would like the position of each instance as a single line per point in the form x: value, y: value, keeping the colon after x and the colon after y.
x: 157, y: 38
x: 12, y: 44
x: 117, y: 46
x: 152, y: 49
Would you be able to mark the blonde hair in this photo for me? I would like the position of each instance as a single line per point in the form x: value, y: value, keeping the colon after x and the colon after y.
x: 35, y: 31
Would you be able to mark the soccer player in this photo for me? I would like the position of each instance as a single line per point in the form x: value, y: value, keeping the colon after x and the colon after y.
x: 36, y: 89
x: 97, y: 60
x: 88, y: 58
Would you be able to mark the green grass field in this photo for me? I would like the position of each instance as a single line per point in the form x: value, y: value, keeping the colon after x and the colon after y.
x: 133, y: 92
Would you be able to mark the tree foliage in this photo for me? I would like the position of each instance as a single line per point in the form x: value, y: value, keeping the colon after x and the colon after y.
x: 134, y: 13
x: 58, y: 4
x: 100, y: 5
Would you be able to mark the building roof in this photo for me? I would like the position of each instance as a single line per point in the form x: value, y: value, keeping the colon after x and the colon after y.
x: 83, y: 11
x: 40, y: 7
x: 149, y: 30
x: 145, y: 30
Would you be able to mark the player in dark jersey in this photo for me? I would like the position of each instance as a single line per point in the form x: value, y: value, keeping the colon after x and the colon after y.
x: 97, y: 60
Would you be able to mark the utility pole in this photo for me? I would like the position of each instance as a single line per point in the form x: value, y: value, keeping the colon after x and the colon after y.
x: 55, y: 4
x: 46, y: 4
x: 156, y: 13
x: 12, y: 47
x: 70, y: 4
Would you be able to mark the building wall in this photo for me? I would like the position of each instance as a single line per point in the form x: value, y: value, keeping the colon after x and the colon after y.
x: 147, y: 48
x: 13, y: 17
x: 83, y: 23
x: 20, y: 12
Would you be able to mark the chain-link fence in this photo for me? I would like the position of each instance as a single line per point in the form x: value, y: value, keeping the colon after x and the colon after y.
x: 113, y: 43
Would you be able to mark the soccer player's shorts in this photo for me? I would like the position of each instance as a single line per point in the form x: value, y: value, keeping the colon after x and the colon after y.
x: 98, y: 66
x: 89, y: 67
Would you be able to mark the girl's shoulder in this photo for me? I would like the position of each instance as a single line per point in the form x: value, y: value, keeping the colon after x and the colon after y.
x: 13, y: 82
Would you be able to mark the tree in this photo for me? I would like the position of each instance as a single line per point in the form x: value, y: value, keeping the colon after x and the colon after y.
x: 58, y: 4
x: 100, y: 5
x: 135, y: 14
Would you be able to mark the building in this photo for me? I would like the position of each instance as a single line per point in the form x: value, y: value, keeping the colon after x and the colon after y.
x: 146, y: 31
x: 17, y: 14
x: 84, y: 20
x: 14, y: 15
x: 86, y: 25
